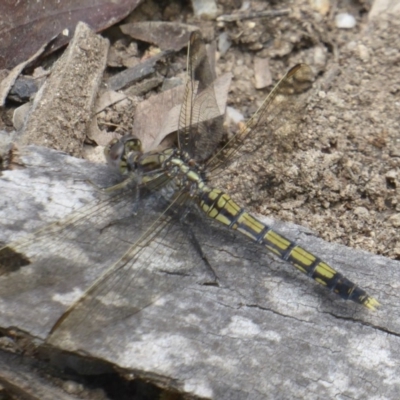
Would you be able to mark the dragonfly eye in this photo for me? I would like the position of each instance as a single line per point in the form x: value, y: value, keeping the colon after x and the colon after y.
x: 119, y: 150
x: 132, y: 144
x: 113, y: 152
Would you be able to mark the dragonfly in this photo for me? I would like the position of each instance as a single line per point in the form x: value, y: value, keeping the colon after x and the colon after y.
x: 169, y: 193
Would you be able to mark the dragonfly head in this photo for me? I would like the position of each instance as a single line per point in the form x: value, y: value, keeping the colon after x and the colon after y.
x: 119, y: 153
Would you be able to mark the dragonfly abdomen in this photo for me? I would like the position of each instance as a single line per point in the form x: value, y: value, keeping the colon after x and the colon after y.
x: 220, y: 206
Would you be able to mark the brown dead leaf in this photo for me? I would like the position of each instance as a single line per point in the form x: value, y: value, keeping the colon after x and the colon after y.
x: 28, y: 25
x: 165, y: 35
x: 158, y: 116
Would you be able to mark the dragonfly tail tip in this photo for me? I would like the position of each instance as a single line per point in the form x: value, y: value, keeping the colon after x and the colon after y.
x: 371, y: 303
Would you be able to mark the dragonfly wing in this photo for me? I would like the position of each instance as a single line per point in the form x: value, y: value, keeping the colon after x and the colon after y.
x: 46, y: 270
x: 52, y: 268
x: 159, y: 262
x: 57, y: 265
x: 282, y: 107
x: 200, y: 122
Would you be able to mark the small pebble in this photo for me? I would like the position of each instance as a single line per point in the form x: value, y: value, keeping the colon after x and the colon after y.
x: 394, y: 153
x: 224, y: 43
x: 234, y: 115
x: 395, y: 220
x: 205, y: 8
x: 262, y: 73
x: 392, y: 174
x: 345, y: 21
x: 20, y: 114
x: 363, y: 52
x: 322, y: 6
x: 361, y: 212
x: 72, y: 387
x: 320, y: 56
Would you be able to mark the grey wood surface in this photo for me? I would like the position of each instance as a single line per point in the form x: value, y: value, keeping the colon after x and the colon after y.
x: 265, y: 331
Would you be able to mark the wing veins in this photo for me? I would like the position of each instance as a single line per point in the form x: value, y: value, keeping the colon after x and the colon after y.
x: 227, y: 153
x: 200, y: 104
x: 131, y: 256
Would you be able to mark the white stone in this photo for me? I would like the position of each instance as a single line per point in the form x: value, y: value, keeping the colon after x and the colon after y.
x: 345, y: 21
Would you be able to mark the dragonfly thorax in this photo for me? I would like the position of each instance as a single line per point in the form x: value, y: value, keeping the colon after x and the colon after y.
x: 127, y: 156
x: 185, y: 173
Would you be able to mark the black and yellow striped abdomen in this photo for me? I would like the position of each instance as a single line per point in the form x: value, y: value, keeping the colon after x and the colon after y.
x: 219, y: 205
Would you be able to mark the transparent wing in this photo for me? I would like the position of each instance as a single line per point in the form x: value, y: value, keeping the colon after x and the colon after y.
x: 51, y: 268
x: 160, y: 261
x: 201, y: 126
x: 200, y: 122
x: 281, y: 107
x: 62, y: 234
x: 148, y: 253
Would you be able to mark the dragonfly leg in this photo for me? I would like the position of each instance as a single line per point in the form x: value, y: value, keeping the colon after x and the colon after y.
x: 214, y: 281
x: 121, y: 185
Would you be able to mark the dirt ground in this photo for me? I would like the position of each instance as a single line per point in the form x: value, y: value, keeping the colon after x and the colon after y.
x: 336, y: 169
